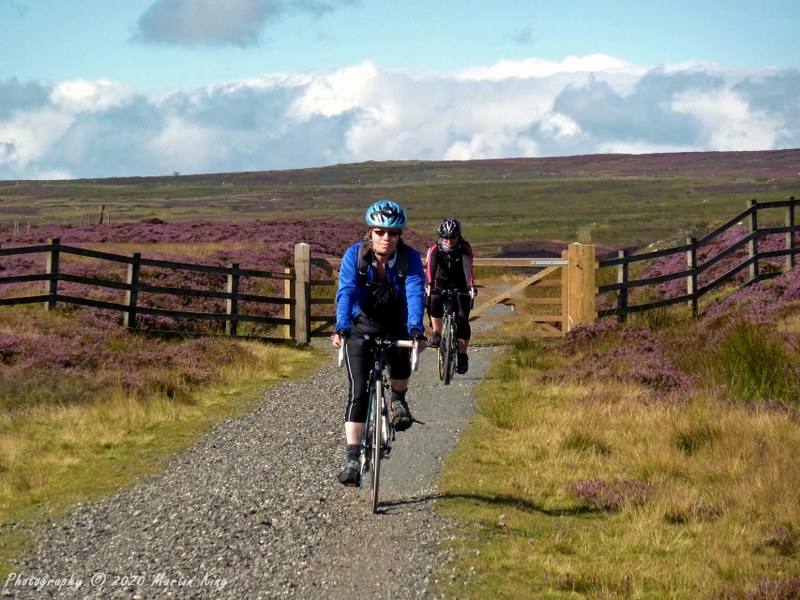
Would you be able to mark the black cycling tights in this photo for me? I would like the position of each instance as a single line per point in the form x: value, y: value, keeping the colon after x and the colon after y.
x: 359, y: 364
x: 436, y: 310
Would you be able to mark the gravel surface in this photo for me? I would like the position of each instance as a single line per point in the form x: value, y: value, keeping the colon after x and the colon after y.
x: 254, y: 510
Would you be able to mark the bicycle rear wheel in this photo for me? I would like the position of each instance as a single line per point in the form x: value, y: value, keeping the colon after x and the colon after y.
x: 375, y: 438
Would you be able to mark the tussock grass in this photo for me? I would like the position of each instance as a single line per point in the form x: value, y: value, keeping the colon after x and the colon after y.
x: 754, y: 363
x: 599, y: 489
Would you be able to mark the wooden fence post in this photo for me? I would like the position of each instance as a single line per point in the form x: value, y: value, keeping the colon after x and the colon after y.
x: 581, y: 295
x: 302, y: 298
x: 51, y: 284
x: 622, y: 297
x: 132, y: 293
x: 790, y: 260
x: 752, y: 245
x: 691, y: 279
x: 232, y: 302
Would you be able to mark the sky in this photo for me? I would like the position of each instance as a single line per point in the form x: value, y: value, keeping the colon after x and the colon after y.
x: 101, y: 88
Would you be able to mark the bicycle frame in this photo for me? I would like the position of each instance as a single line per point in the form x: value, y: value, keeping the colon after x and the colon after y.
x: 447, y: 353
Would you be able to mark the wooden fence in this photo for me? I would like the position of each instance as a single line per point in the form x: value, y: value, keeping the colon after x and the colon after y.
x: 293, y: 303
x: 305, y: 304
x: 694, y: 268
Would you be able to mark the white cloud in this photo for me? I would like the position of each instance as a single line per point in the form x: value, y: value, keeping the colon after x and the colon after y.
x: 28, y: 137
x: 91, y: 95
x: 187, y: 146
x: 729, y: 120
x: 335, y: 93
x: 559, y: 126
x: 96, y: 128
x: 537, y: 67
x: 491, y: 144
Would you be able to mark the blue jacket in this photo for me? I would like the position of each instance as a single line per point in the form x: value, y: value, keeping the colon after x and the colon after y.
x: 352, y: 293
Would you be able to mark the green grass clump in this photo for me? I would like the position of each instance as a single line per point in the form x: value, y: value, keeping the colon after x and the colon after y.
x: 754, y: 363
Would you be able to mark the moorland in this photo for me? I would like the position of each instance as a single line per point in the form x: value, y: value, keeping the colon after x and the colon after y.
x: 507, y: 205
x: 651, y: 459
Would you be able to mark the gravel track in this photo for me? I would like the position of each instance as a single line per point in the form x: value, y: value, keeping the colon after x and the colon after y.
x: 254, y: 510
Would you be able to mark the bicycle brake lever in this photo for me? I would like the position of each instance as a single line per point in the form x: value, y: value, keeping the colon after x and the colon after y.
x: 414, y: 356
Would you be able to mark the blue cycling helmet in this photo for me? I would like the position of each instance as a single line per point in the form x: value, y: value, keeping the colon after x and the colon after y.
x: 386, y: 213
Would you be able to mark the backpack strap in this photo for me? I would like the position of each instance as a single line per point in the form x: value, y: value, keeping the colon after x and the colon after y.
x: 363, y: 262
x: 365, y: 259
x: 402, y: 262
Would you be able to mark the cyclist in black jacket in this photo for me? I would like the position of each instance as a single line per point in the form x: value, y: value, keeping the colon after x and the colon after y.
x: 450, y: 267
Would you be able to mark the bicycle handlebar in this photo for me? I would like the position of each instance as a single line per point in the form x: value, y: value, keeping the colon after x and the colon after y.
x: 359, y: 340
x: 453, y: 292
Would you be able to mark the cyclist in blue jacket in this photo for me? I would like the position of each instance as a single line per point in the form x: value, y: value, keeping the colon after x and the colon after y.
x: 381, y: 291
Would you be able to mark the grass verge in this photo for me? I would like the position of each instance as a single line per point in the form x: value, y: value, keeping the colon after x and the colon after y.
x: 563, y: 489
x: 53, y: 456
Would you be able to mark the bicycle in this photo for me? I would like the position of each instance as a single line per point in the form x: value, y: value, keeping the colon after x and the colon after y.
x: 379, y: 432
x: 447, y: 353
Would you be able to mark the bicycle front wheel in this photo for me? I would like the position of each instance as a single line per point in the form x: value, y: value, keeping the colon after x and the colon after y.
x: 450, y: 348
x: 375, y: 437
x: 441, y: 359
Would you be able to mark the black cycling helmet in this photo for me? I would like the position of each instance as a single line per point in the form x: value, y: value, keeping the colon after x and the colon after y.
x: 449, y: 228
x: 386, y: 213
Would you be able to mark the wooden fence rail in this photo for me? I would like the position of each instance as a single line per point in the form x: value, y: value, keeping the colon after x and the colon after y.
x: 692, y: 248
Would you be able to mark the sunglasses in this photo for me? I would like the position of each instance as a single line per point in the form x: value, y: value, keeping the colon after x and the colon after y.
x: 450, y: 237
x: 383, y: 232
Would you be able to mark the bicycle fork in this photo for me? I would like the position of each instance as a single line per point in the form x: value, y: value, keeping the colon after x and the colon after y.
x: 387, y: 432
x: 387, y: 435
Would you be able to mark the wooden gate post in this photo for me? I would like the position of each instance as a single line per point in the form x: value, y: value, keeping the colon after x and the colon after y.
x: 302, y: 288
x: 580, y: 295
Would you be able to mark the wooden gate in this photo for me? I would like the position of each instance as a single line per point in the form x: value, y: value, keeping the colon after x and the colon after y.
x: 542, y: 297
x: 553, y: 296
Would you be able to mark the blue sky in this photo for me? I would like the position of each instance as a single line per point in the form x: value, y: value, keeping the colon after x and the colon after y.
x: 149, y: 87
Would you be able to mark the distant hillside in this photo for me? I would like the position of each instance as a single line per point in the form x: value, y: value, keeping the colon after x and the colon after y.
x: 718, y: 165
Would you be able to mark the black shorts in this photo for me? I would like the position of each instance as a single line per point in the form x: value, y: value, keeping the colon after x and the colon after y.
x: 358, y: 358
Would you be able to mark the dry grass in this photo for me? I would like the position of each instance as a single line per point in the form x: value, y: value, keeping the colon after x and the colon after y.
x: 52, y: 456
x: 720, y: 514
